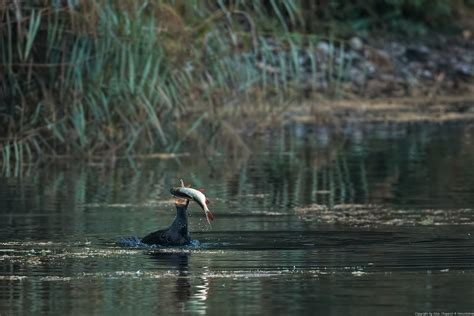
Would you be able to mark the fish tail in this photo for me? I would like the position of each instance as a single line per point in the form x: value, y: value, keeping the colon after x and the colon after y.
x: 209, y: 216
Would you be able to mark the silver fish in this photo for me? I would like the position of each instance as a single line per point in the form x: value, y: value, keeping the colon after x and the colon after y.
x: 194, y: 195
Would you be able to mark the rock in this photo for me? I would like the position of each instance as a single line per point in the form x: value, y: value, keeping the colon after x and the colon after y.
x: 381, y: 59
x: 427, y: 74
x: 396, y: 49
x: 418, y: 53
x: 323, y: 47
x: 357, y: 77
x: 356, y: 43
x: 463, y: 70
x: 368, y: 68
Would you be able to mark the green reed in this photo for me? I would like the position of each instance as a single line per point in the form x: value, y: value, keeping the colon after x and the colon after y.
x: 100, y: 79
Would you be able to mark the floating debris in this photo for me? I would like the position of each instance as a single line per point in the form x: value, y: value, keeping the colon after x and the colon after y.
x: 373, y: 215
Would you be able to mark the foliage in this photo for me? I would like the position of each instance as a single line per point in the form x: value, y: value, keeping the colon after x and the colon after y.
x: 104, y: 78
x: 405, y: 17
x: 100, y: 77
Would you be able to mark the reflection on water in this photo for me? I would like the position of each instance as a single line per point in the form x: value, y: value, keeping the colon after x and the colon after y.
x: 353, y: 219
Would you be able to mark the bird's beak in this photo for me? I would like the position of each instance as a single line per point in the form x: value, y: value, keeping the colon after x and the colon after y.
x: 180, y: 201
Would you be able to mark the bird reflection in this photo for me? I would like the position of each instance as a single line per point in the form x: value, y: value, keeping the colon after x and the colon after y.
x: 180, y: 262
x: 191, y: 293
x: 197, y: 303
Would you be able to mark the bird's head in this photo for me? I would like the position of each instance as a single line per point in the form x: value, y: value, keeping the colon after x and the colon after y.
x: 180, y: 202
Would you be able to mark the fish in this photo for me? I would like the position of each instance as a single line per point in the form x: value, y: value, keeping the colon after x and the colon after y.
x: 194, y: 195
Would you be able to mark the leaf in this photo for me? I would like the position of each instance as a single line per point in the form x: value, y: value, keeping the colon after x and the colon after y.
x: 35, y: 21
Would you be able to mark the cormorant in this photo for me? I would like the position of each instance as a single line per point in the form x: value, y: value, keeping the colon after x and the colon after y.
x: 175, y: 235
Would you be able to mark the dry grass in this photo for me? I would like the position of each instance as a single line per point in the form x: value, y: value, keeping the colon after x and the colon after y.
x: 441, y: 109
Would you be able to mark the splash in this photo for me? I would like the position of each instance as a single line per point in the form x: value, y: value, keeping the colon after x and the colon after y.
x: 135, y: 242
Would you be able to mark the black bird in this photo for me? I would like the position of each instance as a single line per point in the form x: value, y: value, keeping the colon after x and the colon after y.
x: 175, y: 235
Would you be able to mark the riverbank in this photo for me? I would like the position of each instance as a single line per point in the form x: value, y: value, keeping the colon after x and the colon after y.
x: 399, y: 110
x: 86, y: 80
x: 387, y: 80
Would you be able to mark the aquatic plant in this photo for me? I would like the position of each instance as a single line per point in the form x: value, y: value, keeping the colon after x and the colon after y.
x: 97, y: 79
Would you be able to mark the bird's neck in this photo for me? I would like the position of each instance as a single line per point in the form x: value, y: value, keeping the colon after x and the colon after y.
x: 181, y: 220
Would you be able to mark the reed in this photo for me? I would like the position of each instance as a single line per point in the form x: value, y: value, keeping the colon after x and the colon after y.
x: 86, y: 78
x: 92, y: 78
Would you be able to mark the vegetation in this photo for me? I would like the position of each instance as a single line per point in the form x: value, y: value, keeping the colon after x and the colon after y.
x: 399, y: 17
x: 106, y: 78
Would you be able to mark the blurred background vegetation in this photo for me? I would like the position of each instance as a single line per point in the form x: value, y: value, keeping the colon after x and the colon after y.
x: 89, y: 78
x: 395, y: 17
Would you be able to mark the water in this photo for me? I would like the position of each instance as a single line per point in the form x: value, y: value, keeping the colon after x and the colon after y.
x: 373, y: 219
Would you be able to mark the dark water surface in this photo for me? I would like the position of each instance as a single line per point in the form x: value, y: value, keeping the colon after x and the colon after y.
x: 353, y: 220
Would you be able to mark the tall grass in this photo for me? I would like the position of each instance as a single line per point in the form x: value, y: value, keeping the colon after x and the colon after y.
x: 100, y: 78
x: 87, y: 78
